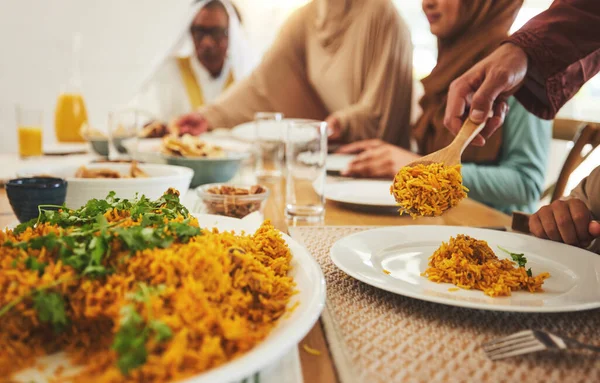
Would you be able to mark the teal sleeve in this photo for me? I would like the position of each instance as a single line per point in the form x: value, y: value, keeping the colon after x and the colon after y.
x: 518, y: 178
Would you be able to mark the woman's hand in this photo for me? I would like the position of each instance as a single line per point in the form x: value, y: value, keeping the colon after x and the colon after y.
x: 376, y: 159
x: 568, y: 221
x: 360, y: 146
x: 192, y: 123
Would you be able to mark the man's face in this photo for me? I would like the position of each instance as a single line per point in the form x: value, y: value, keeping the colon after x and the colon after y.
x: 210, y: 34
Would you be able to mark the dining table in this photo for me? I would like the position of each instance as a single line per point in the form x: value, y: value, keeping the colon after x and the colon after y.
x: 321, y: 368
x: 366, y: 334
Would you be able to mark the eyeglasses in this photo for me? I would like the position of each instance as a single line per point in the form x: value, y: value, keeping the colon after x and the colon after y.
x: 216, y: 33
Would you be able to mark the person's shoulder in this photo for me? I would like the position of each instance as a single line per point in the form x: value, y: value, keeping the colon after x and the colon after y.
x: 380, y: 7
x: 168, y: 69
x: 299, y: 18
x: 304, y: 12
x: 383, y: 11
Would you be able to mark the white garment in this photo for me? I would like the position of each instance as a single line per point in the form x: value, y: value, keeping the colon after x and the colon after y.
x: 164, y: 95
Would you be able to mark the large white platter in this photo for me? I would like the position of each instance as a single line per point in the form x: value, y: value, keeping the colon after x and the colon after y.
x: 289, y: 331
x: 574, y: 283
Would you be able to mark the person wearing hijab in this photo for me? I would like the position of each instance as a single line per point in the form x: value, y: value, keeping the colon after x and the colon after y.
x: 209, y: 57
x: 508, y: 173
x: 345, y: 61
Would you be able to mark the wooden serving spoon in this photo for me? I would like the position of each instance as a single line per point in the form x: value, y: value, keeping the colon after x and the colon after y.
x: 451, y: 154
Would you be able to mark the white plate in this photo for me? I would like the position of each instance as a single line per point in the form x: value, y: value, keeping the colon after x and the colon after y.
x: 338, y: 162
x: 404, y: 251
x: 286, y: 334
x: 269, y: 131
x: 361, y: 193
x: 66, y: 148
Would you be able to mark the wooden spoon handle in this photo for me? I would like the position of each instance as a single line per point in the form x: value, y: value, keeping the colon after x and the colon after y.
x: 466, y: 134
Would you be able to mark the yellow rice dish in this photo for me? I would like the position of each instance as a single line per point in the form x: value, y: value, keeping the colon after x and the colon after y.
x: 428, y: 190
x: 471, y: 264
x: 135, y: 291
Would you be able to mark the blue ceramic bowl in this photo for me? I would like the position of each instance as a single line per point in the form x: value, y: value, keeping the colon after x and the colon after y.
x: 26, y: 194
x: 210, y: 170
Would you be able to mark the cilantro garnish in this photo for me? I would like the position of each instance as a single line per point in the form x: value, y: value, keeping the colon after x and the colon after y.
x: 87, y: 244
x: 50, y: 308
x: 519, y: 258
x: 134, y: 332
x: 130, y: 341
x: 23, y: 226
x: 33, y: 264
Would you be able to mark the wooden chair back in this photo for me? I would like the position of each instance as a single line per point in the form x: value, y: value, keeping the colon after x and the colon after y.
x: 585, y: 137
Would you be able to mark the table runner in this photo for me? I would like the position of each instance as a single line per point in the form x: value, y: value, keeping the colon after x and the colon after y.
x: 376, y: 336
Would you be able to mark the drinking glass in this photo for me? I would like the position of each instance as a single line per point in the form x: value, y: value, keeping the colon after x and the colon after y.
x: 122, y: 125
x: 306, y: 153
x: 29, y: 128
x: 269, y: 144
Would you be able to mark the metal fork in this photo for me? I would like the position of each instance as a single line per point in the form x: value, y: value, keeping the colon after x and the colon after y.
x: 528, y: 341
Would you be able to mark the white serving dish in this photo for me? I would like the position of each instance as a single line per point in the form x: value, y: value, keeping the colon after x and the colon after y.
x: 80, y: 190
x: 286, y: 334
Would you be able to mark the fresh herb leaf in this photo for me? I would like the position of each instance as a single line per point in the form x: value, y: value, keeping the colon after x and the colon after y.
x: 145, y: 292
x: 130, y: 341
x: 24, y: 226
x: 519, y: 258
x: 184, y: 231
x: 529, y: 273
x: 162, y: 330
x: 138, y: 238
x: 97, y: 271
x: 33, y: 264
x: 50, y: 308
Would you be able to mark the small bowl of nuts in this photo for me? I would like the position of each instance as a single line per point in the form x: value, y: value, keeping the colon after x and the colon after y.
x: 232, y: 200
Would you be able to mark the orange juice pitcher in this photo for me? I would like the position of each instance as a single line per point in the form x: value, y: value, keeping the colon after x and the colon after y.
x: 69, y: 116
x: 70, y: 113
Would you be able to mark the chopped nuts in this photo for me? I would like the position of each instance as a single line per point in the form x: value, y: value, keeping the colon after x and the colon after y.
x: 233, y: 203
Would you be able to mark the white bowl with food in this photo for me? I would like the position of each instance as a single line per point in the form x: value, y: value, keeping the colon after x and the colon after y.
x: 96, y: 180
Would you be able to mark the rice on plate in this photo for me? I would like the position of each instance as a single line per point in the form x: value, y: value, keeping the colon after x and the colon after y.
x: 112, y: 284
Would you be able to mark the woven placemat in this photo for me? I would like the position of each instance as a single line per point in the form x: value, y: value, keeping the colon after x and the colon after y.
x: 376, y: 336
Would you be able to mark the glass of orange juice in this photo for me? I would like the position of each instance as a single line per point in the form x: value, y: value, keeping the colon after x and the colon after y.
x: 29, y: 127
